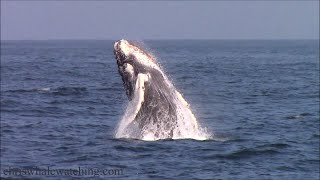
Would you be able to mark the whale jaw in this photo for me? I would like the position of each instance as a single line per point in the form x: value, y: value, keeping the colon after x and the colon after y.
x: 125, y: 68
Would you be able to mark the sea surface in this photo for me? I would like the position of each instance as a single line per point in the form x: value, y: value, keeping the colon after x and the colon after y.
x: 61, y: 102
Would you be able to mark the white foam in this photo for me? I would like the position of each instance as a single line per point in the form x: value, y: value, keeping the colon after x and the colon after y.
x: 44, y: 89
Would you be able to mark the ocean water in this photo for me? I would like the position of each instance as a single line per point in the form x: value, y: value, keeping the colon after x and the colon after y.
x: 61, y: 102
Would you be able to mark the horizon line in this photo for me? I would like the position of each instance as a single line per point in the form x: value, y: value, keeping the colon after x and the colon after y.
x: 160, y: 39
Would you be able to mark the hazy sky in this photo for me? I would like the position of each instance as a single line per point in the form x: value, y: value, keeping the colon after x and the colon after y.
x: 159, y: 20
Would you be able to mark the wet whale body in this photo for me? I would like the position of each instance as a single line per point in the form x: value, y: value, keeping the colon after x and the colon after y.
x: 156, y: 109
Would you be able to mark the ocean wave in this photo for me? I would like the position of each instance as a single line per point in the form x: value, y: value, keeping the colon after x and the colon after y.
x: 63, y: 91
x: 299, y: 116
x: 247, y: 153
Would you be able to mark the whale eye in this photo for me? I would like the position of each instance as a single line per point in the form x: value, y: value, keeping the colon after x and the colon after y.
x: 123, y: 57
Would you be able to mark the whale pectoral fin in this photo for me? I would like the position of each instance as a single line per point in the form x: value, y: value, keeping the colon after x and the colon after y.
x: 139, y: 92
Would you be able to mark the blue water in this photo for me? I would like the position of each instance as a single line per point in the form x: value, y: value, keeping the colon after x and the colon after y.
x: 61, y: 101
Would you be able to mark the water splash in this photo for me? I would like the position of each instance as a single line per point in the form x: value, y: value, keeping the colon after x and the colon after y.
x: 186, y: 126
x: 128, y: 128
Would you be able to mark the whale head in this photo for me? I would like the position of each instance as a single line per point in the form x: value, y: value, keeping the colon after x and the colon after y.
x: 132, y: 60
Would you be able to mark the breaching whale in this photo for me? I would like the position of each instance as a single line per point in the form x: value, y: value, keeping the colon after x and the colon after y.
x: 156, y: 109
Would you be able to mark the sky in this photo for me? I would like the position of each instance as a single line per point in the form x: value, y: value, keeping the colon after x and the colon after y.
x: 39, y: 20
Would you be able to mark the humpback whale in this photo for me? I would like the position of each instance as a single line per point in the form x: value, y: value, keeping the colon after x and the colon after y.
x: 156, y: 109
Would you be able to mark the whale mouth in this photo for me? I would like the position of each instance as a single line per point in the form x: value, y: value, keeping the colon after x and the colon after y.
x: 119, y: 52
x: 125, y: 67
